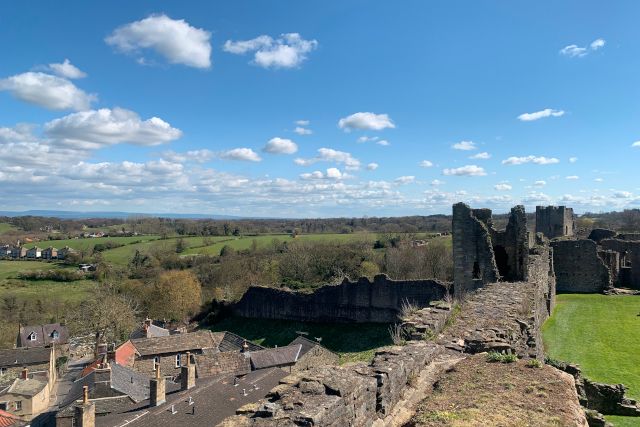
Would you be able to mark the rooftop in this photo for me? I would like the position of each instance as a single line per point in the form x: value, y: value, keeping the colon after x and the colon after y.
x: 24, y: 356
x: 279, y: 356
x: 177, y: 343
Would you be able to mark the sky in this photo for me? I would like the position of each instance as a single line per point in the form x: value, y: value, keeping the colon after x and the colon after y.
x: 319, y: 108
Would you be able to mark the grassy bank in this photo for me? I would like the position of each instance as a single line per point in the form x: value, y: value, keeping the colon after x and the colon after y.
x: 602, y: 334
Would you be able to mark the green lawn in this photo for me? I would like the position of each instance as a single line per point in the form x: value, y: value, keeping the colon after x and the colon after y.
x: 353, y: 342
x: 5, y: 227
x: 10, y: 269
x: 602, y: 334
x: 88, y: 243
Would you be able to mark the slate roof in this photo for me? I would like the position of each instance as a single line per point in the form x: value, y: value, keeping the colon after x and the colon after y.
x: 124, y: 381
x: 306, y: 344
x: 272, y: 357
x: 151, y: 331
x: 29, y: 387
x: 24, y: 357
x: 177, y: 343
x: 214, y: 400
x: 43, y: 335
x: 233, y: 342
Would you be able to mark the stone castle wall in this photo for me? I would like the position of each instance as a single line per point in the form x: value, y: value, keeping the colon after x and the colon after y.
x: 379, y: 300
x: 578, y: 267
x: 554, y: 221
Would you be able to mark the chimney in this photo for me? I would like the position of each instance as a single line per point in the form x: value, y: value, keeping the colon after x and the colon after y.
x: 188, y: 374
x: 25, y: 374
x: 102, y: 379
x: 85, y: 412
x: 245, y: 347
x: 157, y: 389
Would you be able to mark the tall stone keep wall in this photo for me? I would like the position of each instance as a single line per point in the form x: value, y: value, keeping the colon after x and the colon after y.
x: 554, y: 221
x: 578, y: 268
x: 473, y: 258
x: 360, y: 301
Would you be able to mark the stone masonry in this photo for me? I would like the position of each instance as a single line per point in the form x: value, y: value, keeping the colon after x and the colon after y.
x: 555, y: 221
x: 578, y: 267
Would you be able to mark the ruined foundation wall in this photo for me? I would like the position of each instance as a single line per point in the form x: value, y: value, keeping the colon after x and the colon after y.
x: 473, y: 258
x: 578, y: 268
x: 360, y: 301
x: 628, y: 259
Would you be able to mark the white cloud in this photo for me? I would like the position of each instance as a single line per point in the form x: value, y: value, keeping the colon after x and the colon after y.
x: 573, y: 159
x: 547, y: 112
x: 174, y: 39
x: 19, y: 133
x: 622, y: 194
x: 365, y: 138
x: 468, y: 170
x: 280, y: 146
x: 538, y: 160
x: 636, y: 144
x: 536, y: 198
x: 408, y: 179
x: 302, y: 131
x: 198, y: 156
x: 331, y: 173
x: 68, y: 70
x: 244, y: 154
x: 481, y: 156
x: 599, y: 180
x: 574, y: 51
x: 425, y: 164
x: 97, y: 128
x: 372, y: 166
x: 45, y: 90
x: 540, y: 183
x: 383, y: 142
x: 302, y: 122
x: 366, y: 121
x: 437, y: 182
x: 502, y: 187
x: 331, y: 155
x: 572, y: 177
x: 287, y: 51
x: 464, y: 146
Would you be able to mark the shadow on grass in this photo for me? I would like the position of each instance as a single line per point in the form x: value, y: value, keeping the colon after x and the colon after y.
x: 337, y: 337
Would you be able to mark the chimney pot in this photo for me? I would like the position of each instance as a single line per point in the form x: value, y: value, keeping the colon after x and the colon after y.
x: 85, y: 394
x: 25, y: 374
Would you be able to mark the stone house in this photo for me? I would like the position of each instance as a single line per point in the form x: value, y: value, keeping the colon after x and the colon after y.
x: 28, y: 396
x: 150, y: 329
x: 37, y: 360
x: 313, y: 354
x: 280, y: 357
x: 50, y: 253
x: 168, y: 352
x: 43, y: 336
x: 65, y: 252
x: 18, y: 252
x: 34, y: 253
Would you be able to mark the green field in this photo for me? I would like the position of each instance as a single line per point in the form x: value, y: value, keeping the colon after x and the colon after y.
x: 89, y: 243
x: 5, y: 227
x: 602, y: 334
x: 353, y: 342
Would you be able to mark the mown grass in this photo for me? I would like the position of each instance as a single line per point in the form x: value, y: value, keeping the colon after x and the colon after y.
x: 88, y: 243
x: 353, y: 342
x: 602, y: 334
x: 9, y: 269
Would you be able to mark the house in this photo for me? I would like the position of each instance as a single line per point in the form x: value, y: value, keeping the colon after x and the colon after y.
x: 43, y: 335
x: 34, y: 253
x: 27, y: 378
x: 313, y: 354
x: 65, y: 252
x: 28, y: 396
x: 279, y: 357
x: 149, y: 329
x: 168, y: 352
x: 5, y: 251
x: 37, y: 360
x: 18, y: 252
x: 50, y: 253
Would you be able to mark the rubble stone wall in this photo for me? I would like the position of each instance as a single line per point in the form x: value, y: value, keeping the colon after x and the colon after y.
x: 578, y: 267
x: 359, y: 301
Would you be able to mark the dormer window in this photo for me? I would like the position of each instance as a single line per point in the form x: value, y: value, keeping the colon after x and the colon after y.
x: 32, y: 336
x: 55, y: 335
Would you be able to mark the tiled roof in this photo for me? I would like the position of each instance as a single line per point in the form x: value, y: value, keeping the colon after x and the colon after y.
x: 307, y: 345
x: 29, y: 387
x: 177, y: 343
x: 151, y: 331
x: 279, y: 356
x: 43, y: 335
x: 9, y: 420
x: 24, y: 356
x: 233, y: 342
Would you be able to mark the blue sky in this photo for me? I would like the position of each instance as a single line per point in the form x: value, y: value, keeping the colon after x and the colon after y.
x: 315, y: 109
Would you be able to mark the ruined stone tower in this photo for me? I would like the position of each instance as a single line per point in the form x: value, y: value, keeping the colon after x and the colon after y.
x: 483, y: 255
x: 554, y: 221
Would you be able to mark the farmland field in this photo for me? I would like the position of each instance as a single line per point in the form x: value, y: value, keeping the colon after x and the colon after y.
x: 5, y: 227
x: 89, y: 243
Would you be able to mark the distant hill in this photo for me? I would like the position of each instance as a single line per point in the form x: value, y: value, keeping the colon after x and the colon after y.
x: 109, y: 214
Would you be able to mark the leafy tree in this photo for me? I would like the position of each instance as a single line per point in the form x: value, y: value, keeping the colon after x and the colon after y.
x: 177, y: 295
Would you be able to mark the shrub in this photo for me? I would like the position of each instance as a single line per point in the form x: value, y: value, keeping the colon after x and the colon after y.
x: 534, y: 363
x: 496, y: 356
